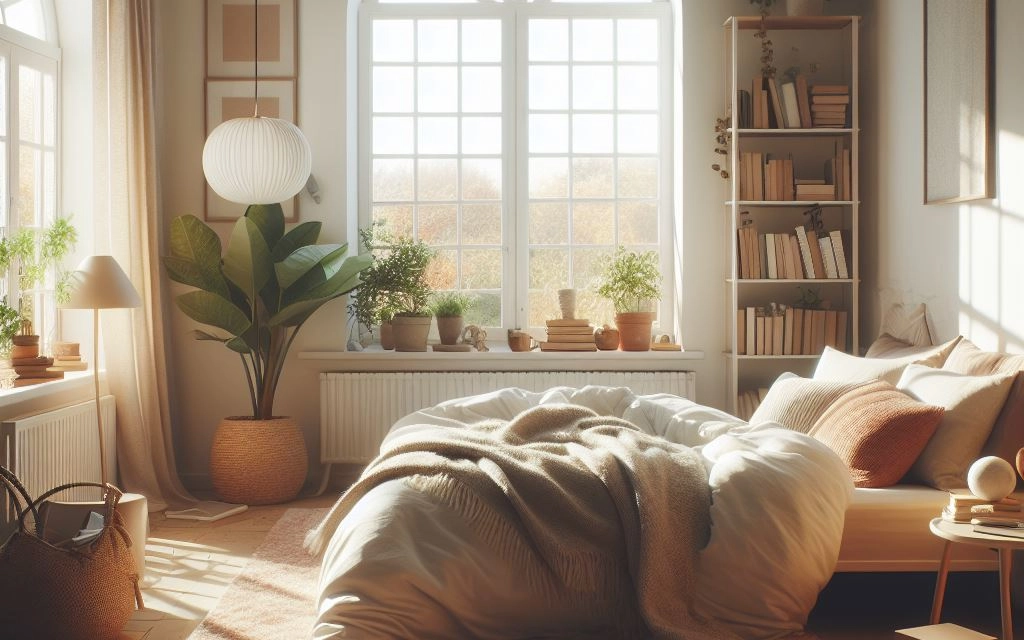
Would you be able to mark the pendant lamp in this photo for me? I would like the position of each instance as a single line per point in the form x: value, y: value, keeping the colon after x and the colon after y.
x: 256, y: 160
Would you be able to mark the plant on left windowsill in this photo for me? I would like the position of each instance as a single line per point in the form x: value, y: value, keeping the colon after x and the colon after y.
x: 258, y: 295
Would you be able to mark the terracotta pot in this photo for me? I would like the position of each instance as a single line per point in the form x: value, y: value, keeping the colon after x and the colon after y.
x: 387, y: 336
x: 410, y: 332
x: 258, y: 461
x: 634, y: 330
x: 607, y: 339
x: 449, y: 328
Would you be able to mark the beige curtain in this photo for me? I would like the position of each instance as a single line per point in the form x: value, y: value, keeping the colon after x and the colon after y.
x: 128, y: 228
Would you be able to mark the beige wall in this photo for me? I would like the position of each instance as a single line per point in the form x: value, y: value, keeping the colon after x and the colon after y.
x: 964, y: 260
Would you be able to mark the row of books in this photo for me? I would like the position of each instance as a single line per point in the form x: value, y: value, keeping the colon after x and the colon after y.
x: 569, y: 335
x: 830, y: 105
x: 794, y: 104
x: 791, y: 256
x: 782, y: 330
x: 765, y: 178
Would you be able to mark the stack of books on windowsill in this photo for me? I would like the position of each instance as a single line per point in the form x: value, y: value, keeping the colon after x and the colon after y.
x: 569, y: 335
x: 964, y: 506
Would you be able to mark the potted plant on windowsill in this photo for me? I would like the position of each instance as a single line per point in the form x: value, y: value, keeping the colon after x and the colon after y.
x: 633, y: 283
x: 397, y: 288
x: 258, y: 295
x: 449, y: 307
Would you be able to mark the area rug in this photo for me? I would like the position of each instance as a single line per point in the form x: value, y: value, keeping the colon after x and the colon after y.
x: 274, y: 596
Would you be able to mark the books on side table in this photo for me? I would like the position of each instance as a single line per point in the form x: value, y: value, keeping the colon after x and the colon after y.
x: 964, y: 506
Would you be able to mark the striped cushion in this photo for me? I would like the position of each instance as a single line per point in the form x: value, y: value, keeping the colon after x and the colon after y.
x: 796, y: 403
x: 878, y: 431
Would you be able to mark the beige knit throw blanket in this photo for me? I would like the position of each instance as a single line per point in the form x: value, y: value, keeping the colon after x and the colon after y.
x: 600, y: 513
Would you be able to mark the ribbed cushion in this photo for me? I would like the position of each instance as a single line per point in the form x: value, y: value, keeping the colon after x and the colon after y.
x: 1008, y: 431
x: 836, y: 365
x: 796, y: 403
x: 972, y: 404
x: 878, y: 431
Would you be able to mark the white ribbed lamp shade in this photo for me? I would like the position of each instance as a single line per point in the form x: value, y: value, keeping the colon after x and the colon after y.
x: 256, y: 160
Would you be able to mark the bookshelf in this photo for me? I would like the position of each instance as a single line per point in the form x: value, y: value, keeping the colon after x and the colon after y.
x: 779, y: 160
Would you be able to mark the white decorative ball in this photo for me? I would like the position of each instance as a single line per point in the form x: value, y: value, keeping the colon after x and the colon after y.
x: 991, y: 478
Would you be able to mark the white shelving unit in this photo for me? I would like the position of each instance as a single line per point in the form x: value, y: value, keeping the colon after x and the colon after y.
x: 825, y: 48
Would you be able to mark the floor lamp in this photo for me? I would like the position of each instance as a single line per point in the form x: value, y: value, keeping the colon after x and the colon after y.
x: 100, y: 283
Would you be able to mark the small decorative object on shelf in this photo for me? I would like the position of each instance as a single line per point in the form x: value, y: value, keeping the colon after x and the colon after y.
x: 607, y: 338
x: 521, y: 341
x: 475, y: 336
x: 567, y: 303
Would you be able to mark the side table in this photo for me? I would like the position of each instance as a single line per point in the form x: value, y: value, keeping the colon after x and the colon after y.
x: 964, y: 533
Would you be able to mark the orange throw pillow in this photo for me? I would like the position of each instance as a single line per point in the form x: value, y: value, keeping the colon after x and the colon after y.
x: 878, y: 431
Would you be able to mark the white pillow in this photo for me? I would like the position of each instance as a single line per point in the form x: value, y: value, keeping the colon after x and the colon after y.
x: 972, y: 404
x: 836, y: 365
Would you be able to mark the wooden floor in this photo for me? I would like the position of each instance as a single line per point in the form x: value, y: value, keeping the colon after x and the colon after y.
x: 190, y: 564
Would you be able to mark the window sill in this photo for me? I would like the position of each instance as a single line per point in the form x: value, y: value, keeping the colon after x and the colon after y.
x: 501, y: 358
x: 20, y: 400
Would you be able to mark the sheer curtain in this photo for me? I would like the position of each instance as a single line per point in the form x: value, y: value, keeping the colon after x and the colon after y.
x: 127, y: 226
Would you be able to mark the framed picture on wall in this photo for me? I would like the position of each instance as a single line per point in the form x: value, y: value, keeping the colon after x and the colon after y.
x: 230, y: 29
x: 227, y: 99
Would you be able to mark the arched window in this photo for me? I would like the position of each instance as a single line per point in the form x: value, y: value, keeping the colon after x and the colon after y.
x: 524, y: 140
x: 31, y: 17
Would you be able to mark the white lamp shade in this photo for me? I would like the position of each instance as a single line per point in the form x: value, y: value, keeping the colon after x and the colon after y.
x: 256, y: 160
x: 100, y: 283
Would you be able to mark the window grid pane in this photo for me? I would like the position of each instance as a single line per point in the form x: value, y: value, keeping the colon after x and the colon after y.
x: 437, y: 174
x: 592, y: 173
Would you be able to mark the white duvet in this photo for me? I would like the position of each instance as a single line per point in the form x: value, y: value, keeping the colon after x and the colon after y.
x: 778, y: 502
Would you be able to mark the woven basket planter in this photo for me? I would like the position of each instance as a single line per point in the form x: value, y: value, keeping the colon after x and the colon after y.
x: 258, y: 461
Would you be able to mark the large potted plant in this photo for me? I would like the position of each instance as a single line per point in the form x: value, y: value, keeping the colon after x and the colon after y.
x: 258, y: 295
x: 633, y: 283
x: 397, y: 288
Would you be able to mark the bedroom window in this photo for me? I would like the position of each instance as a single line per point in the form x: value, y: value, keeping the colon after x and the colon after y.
x: 522, y: 140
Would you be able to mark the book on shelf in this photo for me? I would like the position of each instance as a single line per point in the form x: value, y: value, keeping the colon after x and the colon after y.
x: 819, y: 263
x: 826, y: 108
x: 762, y: 263
x: 787, y: 332
x: 773, y: 271
x: 778, y: 333
x: 803, y: 102
x: 759, y: 335
x: 777, y: 120
x: 741, y: 332
x: 840, y: 253
x: 831, y: 322
x: 568, y: 346
x: 818, y: 89
x: 743, y: 103
x: 797, y: 347
x: 828, y: 256
x: 751, y: 325
x: 790, y: 107
x: 831, y: 99
x: 841, y: 319
x: 805, y: 252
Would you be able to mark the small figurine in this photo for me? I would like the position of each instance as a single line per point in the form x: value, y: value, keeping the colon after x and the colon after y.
x: 475, y: 336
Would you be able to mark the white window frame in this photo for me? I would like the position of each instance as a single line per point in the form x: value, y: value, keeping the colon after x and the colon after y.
x: 514, y: 16
x: 20, y: 50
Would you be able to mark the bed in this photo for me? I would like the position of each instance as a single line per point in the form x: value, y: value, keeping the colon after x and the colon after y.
x: 732, y: 534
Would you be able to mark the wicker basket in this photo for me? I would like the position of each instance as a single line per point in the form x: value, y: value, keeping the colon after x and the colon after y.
x: 258, y: 461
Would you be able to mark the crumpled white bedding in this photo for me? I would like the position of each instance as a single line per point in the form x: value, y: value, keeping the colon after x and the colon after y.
x: 778, y: 502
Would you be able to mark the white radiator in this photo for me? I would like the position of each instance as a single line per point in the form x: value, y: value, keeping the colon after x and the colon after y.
x: 357, y: 409
x: 60, y: 446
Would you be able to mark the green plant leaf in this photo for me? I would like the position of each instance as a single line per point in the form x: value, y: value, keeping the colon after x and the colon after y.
x: 247, y: 260
x: 191, y: 274
x: 191, y: 239
x: 238, y: 345
x: 306, y: 259
x: 327, y: 282
x: 209, y: 308
x: 303, y: 235
x: 202, y: 335
x: 269, y: 219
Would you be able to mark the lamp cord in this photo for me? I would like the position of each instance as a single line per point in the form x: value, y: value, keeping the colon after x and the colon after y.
x: 255, y: 58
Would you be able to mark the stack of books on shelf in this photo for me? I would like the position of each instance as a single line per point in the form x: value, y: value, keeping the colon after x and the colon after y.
x: 31, y: 367
x: 782, y: 330
x: 964, y: 506
x: 830, y: 105
x: 748, y: 401
x: 791, y: 256
x: 814, y: 189
x: 569, y: 335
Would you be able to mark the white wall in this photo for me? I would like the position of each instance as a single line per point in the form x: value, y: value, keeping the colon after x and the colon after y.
x: 207, y: 382
x: 964, y: 260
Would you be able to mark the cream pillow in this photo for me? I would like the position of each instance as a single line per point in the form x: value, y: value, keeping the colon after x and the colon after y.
x: 887, y: 346
x: 836, y: 365
x: 796, y: 403
x: 907, y: 324
x: 972, y: 404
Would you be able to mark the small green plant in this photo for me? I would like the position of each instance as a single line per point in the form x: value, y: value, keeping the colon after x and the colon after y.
x: 631, y: 280
x: 10, y: 325
x: 395, y: 282
x: 34, y: 252
x: 449, y: 304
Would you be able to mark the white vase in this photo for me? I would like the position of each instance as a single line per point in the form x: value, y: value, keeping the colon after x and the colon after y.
x: 805, y: 7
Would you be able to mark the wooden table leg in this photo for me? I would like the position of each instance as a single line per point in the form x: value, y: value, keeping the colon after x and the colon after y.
x: 940, y: 583
x: 1005, y: 602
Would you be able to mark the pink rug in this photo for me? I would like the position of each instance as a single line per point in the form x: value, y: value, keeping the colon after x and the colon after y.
x: 274, y: 596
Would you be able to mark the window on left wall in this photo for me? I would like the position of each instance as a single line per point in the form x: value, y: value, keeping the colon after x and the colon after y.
x: 29, y: 161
